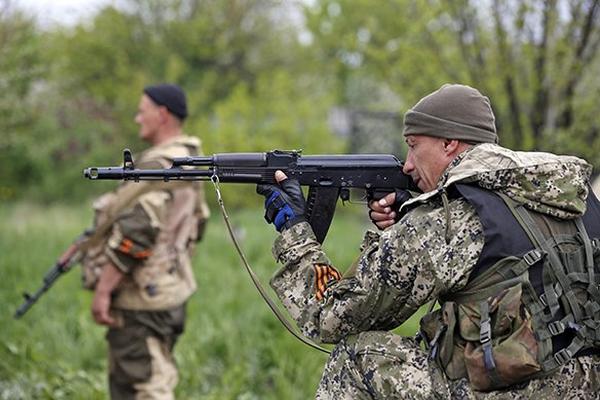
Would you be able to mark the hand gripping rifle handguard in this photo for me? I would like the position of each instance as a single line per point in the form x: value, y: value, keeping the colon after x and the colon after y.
x: 328, y: 177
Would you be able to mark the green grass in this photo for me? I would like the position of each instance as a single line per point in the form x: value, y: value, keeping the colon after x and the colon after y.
x: 233, y: 348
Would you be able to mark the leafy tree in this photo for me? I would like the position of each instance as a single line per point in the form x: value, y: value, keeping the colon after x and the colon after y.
x: 250, y: 84
x: 536, y: 60
x: 254, y: 85
x: 19, y: 68
x: 540, y: 62
x: 278, y: 115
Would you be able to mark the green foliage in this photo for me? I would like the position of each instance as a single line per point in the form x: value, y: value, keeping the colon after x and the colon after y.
x: 536, y: 60
x: 37, y: 353
x: 103, y: 61
x: 276, y: 116
x: 233, y: 346
x: 387, y: 43
x: 19, y: 65
x: 242, y: 68
x: 19, y: 68
x: 254, y: 85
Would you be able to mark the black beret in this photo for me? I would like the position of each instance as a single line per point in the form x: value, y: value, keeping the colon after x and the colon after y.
x: 169, y: 95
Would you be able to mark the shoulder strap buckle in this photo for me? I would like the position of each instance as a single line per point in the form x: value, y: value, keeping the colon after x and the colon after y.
x: 485, y: 332
x: 543, y: 299
x: 562, y: 356
x: 556, y: 328
x: 533, y: 256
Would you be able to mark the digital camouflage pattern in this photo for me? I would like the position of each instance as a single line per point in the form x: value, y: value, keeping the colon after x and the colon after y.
x: 544, y: 182
x: 429, y: 253
x: 392, y: 278
x: 381, y: 365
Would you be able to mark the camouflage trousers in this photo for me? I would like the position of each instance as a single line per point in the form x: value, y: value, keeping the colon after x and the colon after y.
x: 381, y: 365
x: 141, y: 363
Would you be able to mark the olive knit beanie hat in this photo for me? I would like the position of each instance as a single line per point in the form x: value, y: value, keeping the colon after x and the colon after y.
x: 453, y: 112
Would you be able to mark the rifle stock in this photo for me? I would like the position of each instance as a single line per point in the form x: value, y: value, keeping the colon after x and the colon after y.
x: 328, y: 177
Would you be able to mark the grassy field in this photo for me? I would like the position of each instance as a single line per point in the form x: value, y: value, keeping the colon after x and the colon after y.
x: 233, y: 348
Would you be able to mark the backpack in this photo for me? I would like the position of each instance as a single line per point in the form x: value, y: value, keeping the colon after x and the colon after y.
x: 499, y: 330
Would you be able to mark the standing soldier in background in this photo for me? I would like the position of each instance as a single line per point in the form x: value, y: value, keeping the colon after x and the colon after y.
x: 139, y: 262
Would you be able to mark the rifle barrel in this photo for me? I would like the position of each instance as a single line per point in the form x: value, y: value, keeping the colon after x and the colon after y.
x: 51, y: 276
x: 62, y: 265
x: 174, y: 173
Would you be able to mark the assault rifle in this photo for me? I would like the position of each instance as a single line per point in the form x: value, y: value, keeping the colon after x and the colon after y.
x: 328, y: 177
x: 68, y: 259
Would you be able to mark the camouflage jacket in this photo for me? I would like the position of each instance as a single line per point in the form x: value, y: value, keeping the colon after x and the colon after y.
x: 429, y: 253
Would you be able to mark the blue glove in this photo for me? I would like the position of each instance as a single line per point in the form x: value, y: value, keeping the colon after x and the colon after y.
x: 284, y: 203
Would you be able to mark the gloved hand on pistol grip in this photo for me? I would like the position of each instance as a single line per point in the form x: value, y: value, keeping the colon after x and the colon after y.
x: 284, y: 203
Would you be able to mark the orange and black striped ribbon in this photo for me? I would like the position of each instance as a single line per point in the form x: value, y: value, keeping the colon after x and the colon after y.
x: 323, y: 275
x: 142, y: 254
x: 126, y: 247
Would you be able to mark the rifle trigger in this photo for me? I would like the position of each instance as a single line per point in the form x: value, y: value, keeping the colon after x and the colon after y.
x: 27, y: 296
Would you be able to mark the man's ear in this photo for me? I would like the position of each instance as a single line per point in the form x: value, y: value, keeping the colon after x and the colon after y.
x: 451, y: 145
x: 164, y: 114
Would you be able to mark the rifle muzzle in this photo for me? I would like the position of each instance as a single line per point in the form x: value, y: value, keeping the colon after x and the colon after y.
x: 103, y: 173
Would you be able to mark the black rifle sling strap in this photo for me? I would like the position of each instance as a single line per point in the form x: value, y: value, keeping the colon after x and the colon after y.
x: 280, y: 316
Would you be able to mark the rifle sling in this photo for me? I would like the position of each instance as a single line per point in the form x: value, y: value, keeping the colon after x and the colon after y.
x: 100, y: 231
x: 280, y: 316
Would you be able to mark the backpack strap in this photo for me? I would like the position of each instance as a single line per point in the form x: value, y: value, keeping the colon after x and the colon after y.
x: 485, y: 338
x: 559, y: 279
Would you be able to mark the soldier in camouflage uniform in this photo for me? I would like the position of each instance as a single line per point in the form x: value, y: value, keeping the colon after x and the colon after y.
x: 435, y: 246
x: 139, y: 262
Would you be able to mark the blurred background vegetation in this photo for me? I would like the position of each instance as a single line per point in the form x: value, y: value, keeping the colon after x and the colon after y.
x: 325, y: 76
x: 265, y: 74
